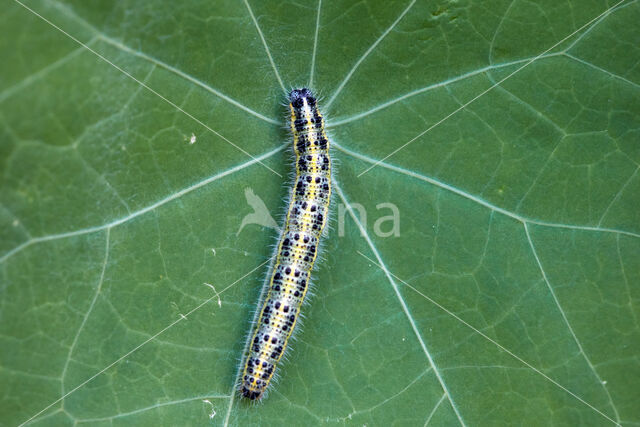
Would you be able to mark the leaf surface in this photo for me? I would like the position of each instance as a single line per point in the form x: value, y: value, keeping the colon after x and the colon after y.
x: 510, y: 294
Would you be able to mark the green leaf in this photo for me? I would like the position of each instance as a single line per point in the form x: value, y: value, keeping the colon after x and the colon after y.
x: 510, y: 294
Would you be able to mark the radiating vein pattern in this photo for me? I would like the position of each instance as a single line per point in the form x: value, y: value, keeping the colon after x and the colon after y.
x: 518, y: 214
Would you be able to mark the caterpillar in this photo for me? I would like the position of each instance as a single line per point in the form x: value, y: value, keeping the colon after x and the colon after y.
x: 297, y: 247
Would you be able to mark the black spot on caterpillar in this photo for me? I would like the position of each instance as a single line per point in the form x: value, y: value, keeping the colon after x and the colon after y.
x: 297, y: 247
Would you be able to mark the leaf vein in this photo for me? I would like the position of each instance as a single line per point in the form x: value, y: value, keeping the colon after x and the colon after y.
x: 403, y: 304
x: 142, y: 211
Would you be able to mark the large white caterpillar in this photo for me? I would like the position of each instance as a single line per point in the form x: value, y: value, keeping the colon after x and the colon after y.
x: 298, y: 246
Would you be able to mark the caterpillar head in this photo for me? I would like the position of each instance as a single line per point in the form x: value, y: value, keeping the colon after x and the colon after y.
x: 297, y: 97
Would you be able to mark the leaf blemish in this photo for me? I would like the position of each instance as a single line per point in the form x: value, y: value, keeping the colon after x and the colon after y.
x: 213, y: 410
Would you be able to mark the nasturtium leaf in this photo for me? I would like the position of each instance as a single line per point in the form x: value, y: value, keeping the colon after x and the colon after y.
x: 486, y: 274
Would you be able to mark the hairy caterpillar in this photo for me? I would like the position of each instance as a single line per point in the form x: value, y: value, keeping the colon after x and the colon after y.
x: 297, y: 248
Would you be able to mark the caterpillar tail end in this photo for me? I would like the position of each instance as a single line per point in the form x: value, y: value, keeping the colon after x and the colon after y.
x: 251, y: 394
